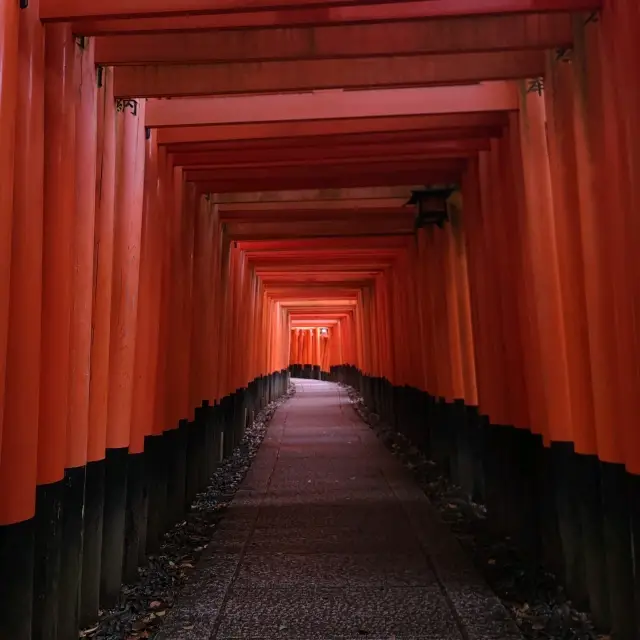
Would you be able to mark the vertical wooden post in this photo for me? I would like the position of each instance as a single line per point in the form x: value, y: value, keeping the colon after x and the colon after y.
x: 101, y: 338
x: 9, y: 33
x: 125, y: 285
x: 57, y: 269
x: 19, y: 442
x: 84, y: 153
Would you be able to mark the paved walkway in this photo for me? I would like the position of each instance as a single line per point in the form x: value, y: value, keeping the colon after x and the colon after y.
x: 329, y: 538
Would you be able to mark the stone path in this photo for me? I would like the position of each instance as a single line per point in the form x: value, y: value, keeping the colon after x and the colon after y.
x: 329, y: 538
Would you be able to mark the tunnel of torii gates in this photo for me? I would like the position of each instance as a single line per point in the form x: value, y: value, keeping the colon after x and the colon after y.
x: 199, y: 198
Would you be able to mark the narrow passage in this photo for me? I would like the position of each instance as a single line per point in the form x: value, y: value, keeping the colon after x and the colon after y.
x: 329, y: 538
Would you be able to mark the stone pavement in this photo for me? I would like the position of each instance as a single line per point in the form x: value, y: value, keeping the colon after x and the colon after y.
x: 330, y: 538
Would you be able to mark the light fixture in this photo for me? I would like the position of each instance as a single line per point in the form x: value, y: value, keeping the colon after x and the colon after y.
x: 431, y: 205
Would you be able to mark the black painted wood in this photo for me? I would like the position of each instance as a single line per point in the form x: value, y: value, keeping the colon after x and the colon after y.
x: 16, y: 579
x: 92, y: 543
x: 136, y: 517
x: 617, y: 541
x: 47, y: 559
x: 591, y: 519
x: 71, y: 553
x: 156, y: 447
x: 115, y: 505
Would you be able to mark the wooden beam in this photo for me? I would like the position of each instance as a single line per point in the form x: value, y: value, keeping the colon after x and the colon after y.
x: 318, y: 228
x: 328, y: 105
x: 326, y: 207
x: 282, y: 198
x: 315, y: 132
x: 164, y: 81
x: 298, y: 170
x: 322, y: 155
x: 346, y: 212
x: 322, y: 181
x: 329, y: 142
x: 69, y: 10
x: 450, y: 35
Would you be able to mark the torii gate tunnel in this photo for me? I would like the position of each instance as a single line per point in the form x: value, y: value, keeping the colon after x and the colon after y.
x: 435, y: 201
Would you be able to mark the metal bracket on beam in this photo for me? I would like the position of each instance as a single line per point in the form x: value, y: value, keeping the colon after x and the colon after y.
x: 536, y: 86
x: 99, y: 76
x: 564, y: 55
x: 593, y: 17
x: 24, y: 4
x: 121, y: 105
x: 147, y: 132
x: 81, y: 41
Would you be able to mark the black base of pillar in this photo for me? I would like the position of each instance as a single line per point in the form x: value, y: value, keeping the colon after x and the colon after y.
x: 47, y: 558
x: 226, y: 411
x: 16, y: 579
x: 634, y: 502
x: 193, y: 459
x: 136, y: 517
x: 156, y: 469
x: 71, y: 558
x: 92, y: 543
x: 115, y: 506
x: 568, y: 498
x: 176, y: 472
x: 547, y: 514
x: 591, y: 520
x: 617, y: 541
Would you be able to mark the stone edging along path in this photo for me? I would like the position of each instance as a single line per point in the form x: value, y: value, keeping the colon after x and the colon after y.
x: 142, y: 606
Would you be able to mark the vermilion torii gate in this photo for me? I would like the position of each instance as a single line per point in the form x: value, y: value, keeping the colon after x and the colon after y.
x: 187, y: 187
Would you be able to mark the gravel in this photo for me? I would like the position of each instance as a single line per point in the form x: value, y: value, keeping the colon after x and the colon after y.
x: 533, y: 596
x: 142, y: 606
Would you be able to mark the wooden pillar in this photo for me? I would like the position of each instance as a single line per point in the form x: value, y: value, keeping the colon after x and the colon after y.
x: 130, y: 153
x: 609, y: 260
x: 9, y: 33
x: 57, y: 269
x: 559, y: 98
x: 81, y: 249
x: 101, y: 331
x: 19, y: 442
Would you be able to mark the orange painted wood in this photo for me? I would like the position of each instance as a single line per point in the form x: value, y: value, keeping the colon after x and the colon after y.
x: 19, y: 442
x: 559, y: 96
x: 320, y: 15
x: 319, y: 156
x: 162, y: 81
x: 176, y: 303
x: 57, y: 264
x: 126, y: 274
x: 459, y: 262
x: 9, y: 33
x: 489, y: 33
x: 540, y: 234
x: 83, y: 257
x: 103, y: 253
x: 591, y: 159
x: 317, y: 132
x: 620, y: 24
x: 76, y: 9
x: 478, y: 283
x: 147, y: 330
x: 328, y: 105
x: 165, y: 177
